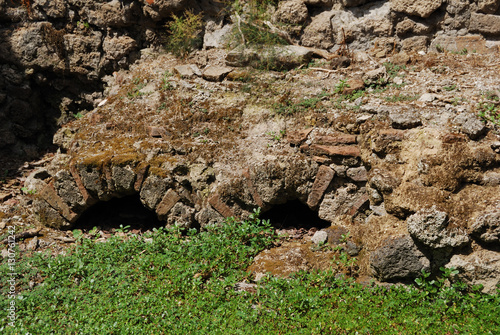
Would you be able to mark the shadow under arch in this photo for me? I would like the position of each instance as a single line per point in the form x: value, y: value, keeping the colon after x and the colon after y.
x: 117, y: 213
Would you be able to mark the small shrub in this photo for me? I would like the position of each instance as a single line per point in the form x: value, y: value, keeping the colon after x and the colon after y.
x: 184, y: 33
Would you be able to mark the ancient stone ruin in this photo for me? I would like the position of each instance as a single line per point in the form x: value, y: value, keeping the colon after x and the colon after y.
x: 415, y: 181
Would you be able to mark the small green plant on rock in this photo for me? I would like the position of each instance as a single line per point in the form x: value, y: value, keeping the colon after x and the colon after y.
x: 340, y: 86
x: 184, y: 33
x: 489, y: 112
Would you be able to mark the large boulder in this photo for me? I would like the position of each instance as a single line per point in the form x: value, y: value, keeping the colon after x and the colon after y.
x: 486, y: 227
x: 398, y: 259
x: 481, y: 267
x: 428, y: 226
x: 319, y: 33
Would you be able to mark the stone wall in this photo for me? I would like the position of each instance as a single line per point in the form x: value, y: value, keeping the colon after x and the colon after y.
x: 54, y: 53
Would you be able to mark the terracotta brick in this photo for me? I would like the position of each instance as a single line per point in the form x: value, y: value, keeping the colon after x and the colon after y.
x: 392, y: 134
x: 304, y: 147
x: 109, y: 178
x: 220, y: 206
x: 336, y: 139
x: 89, y: 200
x: 358, y: 204
x: 340, y: 150
x: 50, y: 196
x: 322, y: 160
x: 296, y: 137
x: 255, y: 195
x: 166, y: 204
x: 142, y: 172
x: 321, y: 183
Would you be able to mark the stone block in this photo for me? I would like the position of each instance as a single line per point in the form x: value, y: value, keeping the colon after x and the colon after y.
x: 89, y: 200
x: 330, y: 150
x: 486, y: 24
x: 297, y: 137
x: 220, y: 206
x: 422, y: 8
x: 50, y: 196
x: 398, y: 258
x: 142, y: 172
x: 167, y: 203
x: 216, y: 73
x: 321, y: 183
x: 357, y: 173
x: 336, y: 139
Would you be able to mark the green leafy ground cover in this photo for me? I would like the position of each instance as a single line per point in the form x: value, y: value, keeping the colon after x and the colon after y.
x: 167, y: 283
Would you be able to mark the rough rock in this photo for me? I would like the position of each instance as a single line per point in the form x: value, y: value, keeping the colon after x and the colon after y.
x: 216, y: 35
x: 321, y: 183
x: 422, y: 8
x: 474, y: 128
x: 293, y: 12
x: 152, y: 190
x: 485, y: 24
x: 357, y: 174
x: 320, y: 237
x: 216, y: 73
x: 459, y: 43
x: 188, y: 71
x: 429, y: 226
x: 289, y: 258
x: 383, y: 181
x: 481, y: 267
x: 486, y: 227
x: 376, y: 77
x: 345, y: 200
x: 488, y: 6
x: 405, y: 119
x: 398, y: 259
x: 181, y: 216
x: 361, y: 24
x: 415, y: 43
x: 319, y: 33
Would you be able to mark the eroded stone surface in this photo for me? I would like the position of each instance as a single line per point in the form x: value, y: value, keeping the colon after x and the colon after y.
x: 428, y: 226
x: 398, y: 258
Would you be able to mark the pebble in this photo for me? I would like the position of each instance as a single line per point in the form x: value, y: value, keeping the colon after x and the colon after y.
x: 319, y: 237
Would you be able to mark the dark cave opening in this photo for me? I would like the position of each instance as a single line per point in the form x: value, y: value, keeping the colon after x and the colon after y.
x: 117, y: 213
x: 294, y: 214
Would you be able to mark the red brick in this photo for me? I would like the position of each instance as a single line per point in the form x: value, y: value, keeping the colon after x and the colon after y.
x: 392, y: 134
x: 220, y: 206
x: 340, y: 150
x: 169, y: 200
x: 109, y: 178
x: 296, y: 137
x: 142, y: 171
x: 89, y: 200
x: 360, y: 202
x: 50, y: 196
x: 336, y: 139
x: 321, y: 183
x: 321, y: 160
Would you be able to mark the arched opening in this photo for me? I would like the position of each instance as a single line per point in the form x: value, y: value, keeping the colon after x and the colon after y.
x: 294, y: 214
x: 118, y: 213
